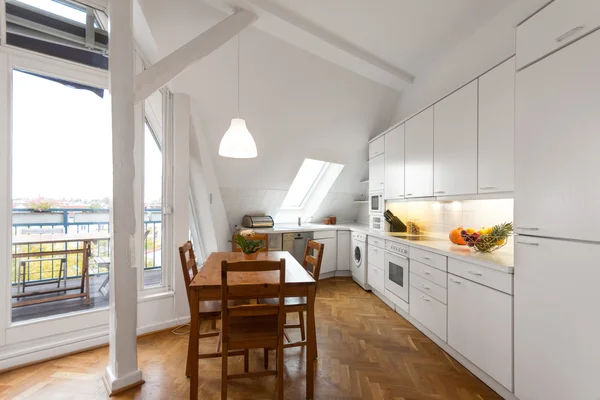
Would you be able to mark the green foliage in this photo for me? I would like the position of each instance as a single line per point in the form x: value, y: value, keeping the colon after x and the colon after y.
x: 41, y: 204
x: 248, y: 246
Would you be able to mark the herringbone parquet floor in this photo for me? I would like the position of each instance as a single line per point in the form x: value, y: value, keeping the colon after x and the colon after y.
x: 366, y: 351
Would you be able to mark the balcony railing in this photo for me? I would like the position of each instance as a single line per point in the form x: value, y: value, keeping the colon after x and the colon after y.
x: 73, y: 221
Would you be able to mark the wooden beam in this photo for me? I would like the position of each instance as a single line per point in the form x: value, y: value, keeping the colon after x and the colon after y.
x: 158, y: 75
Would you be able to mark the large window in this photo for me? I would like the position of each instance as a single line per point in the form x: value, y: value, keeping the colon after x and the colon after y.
x: 307, y: 178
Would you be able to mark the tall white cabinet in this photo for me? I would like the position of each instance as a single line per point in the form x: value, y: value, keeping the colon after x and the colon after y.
x: 394, y: 163
x: 455, y: 143
x: 419, y: 155
x: 497, y: 129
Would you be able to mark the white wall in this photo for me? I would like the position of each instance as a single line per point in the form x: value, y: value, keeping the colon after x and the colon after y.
x: 487, y: 47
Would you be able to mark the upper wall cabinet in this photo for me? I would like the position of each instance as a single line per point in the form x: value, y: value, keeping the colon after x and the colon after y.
x: 557, y: 25
x: 496, y: 128
x: 376, y: 147
x: 455, y: 143
x: 394, y: 163
x: 419, y: 155
x: 376, y: 173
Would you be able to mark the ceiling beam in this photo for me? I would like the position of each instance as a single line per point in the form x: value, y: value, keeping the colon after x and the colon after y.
x: 165, y: 70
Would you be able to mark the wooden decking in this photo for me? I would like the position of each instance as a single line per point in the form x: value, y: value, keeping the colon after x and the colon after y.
x: 97, y: 300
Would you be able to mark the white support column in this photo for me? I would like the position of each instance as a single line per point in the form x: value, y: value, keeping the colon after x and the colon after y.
x: 5, y: 197
x: 122, y: 371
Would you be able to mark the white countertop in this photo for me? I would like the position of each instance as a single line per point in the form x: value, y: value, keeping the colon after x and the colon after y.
x: 501, y: 260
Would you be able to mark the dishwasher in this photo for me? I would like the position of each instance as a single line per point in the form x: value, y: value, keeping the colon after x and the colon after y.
x: 295, y: 243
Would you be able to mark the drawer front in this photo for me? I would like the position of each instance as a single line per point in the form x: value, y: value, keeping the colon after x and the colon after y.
x: 375, y: 256
x: 428, y: 311
x: 429, y: 258
x: 375, y: 241
x: 324, y: 234
x: 429, y: 273
x: 436, y: 291
x: 375, y: 278
x: 555, y: 26
x: 376, y: 147
x: 485, y: 276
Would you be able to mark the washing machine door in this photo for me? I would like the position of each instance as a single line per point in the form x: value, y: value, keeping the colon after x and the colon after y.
x: 358, y: 256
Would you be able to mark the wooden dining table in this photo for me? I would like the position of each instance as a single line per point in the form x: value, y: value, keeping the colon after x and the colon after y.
x: 206, y: 285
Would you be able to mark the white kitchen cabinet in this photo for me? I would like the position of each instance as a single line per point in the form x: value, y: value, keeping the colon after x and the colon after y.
x: 376, y: 147
x: 394, y: 163
x: 497, y: 129
x: 376, y: 278
x: 557, y: 325
x: 480, y: 327
x: 418, y: 172
x: 376, y: 173
x: 343, y: 250
x: 455, y: 143
x: 428, y: 311
x: 329, y: 263
x: 556, y: 144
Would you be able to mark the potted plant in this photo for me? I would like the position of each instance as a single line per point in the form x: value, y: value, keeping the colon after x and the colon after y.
x: 249, y: 247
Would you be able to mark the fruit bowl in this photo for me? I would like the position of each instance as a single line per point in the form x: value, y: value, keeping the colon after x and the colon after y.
x: 488, y: 240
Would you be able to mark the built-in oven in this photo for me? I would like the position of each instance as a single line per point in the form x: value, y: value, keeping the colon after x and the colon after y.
x: 397, y: 272
x: 377, y: 222
x: 376, y: 203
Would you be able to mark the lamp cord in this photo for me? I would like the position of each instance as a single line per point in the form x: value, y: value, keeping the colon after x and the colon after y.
x: 238, y: 73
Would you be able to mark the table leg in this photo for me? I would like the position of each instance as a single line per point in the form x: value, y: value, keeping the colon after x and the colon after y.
x: 194, y: 311
x: 311, y: 344
x: 86, y: 271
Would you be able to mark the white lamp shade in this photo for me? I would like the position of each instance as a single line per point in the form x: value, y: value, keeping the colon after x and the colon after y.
x: 237, y: 141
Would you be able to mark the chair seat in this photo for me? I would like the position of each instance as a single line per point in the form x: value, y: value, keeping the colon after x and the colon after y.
x: 249, y: 329
x: 289, y: 301
x: 213, y: 307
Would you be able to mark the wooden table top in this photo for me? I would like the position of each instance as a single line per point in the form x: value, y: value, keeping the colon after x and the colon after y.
x: 59, y: 237
x: 209, y: 275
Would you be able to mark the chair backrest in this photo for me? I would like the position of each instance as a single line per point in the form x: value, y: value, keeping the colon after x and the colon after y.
x: 247, y: 291
x: 313, y: 260
x: 256, y: 236
x: 188, y: 265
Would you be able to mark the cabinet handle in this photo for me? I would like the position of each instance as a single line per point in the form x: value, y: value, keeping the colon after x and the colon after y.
x: 474, y: 272
x: 425, y: 298
x: 425, y: 287
x: 453, y: 281
x: 569, y: 33
x: 440, y: 191
x: 487, y: 187
x: 426, y: 258
x: 529, y: 244
x: 425, y: 272
x: 528, y: 228
x: 409, y: 194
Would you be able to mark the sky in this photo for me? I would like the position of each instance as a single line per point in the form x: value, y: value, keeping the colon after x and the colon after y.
x: 62, y: 143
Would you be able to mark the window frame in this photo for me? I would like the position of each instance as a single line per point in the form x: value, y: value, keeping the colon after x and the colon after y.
x: 313, y: 186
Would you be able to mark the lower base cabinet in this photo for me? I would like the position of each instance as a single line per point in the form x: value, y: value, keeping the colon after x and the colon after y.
x: 428, y: 311
x: 376, y: 278
x: 480, y: 327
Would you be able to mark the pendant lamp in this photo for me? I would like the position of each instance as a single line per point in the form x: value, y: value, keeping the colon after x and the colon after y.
x: 237, y: 141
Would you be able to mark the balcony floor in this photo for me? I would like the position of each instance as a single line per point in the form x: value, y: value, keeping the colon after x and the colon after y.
x: 97, y: 300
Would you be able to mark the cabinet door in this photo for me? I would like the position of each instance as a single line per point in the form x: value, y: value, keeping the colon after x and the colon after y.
x: 329, y: 263
x: 455, y: 143
x: 418, y: 152
x: 480, y: 327
x: 376, y: 173
x: 557, y: 139
x: 497, y: 129
x: 557, y: 325
x: 394, y: 163
x: 376, y: 147
x: 343, y: 251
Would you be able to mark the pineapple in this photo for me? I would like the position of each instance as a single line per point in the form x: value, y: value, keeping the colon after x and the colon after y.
x: 494, y: 237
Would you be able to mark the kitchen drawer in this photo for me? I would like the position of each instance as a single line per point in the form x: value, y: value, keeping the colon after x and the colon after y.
x: 375, y: 241
x: 376, y: 278
x: 376, y: 147
x: 437, y: 292
x: 324, y: 234
x: 495, y: 279
x: 431, y: 274
x: 555, y: 26
x: 429, y: 312
x: 429, y: 258
x: 375, y: 256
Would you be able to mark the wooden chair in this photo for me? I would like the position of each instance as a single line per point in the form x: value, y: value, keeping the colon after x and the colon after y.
x: 253, y: 326
x: 299, y: 304
x: 209, y: 310
x: 256, y: 236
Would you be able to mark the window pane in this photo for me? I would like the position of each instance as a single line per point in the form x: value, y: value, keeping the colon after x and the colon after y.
x: 307, y: 177
x: 61, y: 185
x: 63, y: 10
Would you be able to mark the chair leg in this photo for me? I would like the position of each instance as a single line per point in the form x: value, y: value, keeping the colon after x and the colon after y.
x: 302, y: 330
x: 188, y: 362
x: 224, y: 358
x: 246, y: 362
x: 266, y: 358
x: 280, y: 369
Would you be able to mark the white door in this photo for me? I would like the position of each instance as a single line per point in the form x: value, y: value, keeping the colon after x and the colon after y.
x: 376, y: 173
x: 455, y: 143
x: 497, y: 129
x: 394, y: 163
x: 419, y: 155
x: 557, y: 142
x: 343, y: 250
x: 480, y: 327
x: 557, y: 323
x: 329, y: 262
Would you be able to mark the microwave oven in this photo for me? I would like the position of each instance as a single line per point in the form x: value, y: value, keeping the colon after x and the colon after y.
x: 376, y: 203
x: 377, y: 223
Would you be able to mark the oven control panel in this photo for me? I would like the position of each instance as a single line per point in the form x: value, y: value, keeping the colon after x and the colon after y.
x: 396, y: 247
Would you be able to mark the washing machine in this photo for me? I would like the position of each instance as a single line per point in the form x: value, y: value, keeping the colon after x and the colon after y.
x: 358, y: 256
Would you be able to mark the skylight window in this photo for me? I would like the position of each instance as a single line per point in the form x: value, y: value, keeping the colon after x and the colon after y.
x: 307, y: 178
x: 55, y: 7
